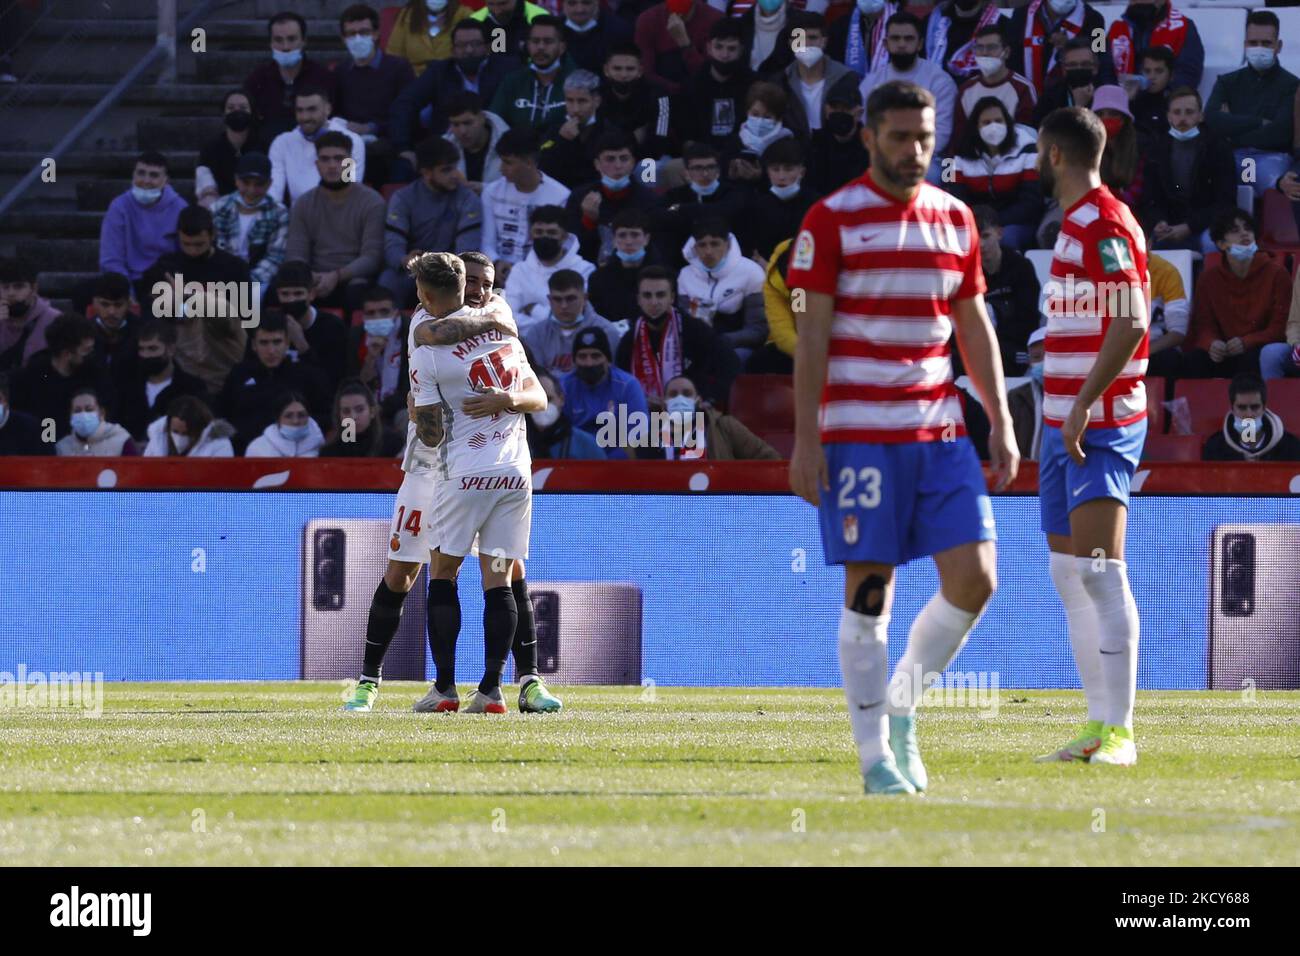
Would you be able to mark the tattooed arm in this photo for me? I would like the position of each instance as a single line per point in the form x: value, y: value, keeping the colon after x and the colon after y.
x: 496, y: 317
x: 428, y: 424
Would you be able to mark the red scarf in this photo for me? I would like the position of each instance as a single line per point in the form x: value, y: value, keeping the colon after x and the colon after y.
x: 1170, y: 32
x: 962, y: 62
x: 655, y: 371
x: 1040, y: 56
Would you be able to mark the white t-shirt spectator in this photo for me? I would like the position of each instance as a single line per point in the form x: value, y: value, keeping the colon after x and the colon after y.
x: 293, y: 160
x: 505, y: 215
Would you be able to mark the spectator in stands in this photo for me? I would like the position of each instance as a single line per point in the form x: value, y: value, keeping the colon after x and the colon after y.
x: 1240, y: 305
x: 705, y: 194
x: 1169, y: 316
x: 433, y: 213
x: 1149, y: 98
x: 903, y: 32
x: 249, y: 223
x: 858, y: 39
x: 337, y: 228
x: 995, y: 163
x: 777, y: 355
x: 317, y: 337
x: 368, y: 85
x: 550, y: 432
x: 594, y: 204
x: 155, y: 380
x: 673, y: 37
x: 710, y: 107
x: 93, y: 435
x: 836, y: 154
x: 1254, y: 108
x: 513, y: 16
x: 295, y: 155
x: 553, y: 249
x: 20, y: 433
x: 508, y: 202
x: 696, y: 430
x: 765, y: 105
x: 115, y: 325
x: 950, y: 34
x: 663, y: 344
x: 722, y: 288
x: 293, y: 433
x: 777, y: 212
x: 634, y: 104
x: 211, y: 336
x: 1149, y: 23
x: 533, y: 95
x: 359, y: 430
x: 272, y: 87
x: 1026, y: 401
x: 446, y: 84
x: 811, y: 76
x: 475, y: 132
x: 24, y: 314
x: 1121, y: 171
x: 1081, y: 72
x: 215, y: 175
x: 173, y: 434
x: 1012, y: 295
x: 550, y: 340
x: 140, y: 225
x: 596, y: 387
x: 248, y: 398
x: 1039, y: 31
x: 993, y: 78
x: 569, y: 147
x: 1190, y: 179
x: 1289, y: 185
x: 765, y: 32
x: 590, y: 33
x: 44, y: 387
x: 424, y: 32
x: 612, y: 287
x: 377, y: 347
x: 1250, y: 431
x: 1282, y: 359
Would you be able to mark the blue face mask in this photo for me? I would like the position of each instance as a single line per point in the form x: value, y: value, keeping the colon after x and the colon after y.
x: 295, y: 433
x: 615, y: 184
x: 630, y: 256
x: 761, y: 126
x: 770, y: 6
x: 381, y: 327
x: 1184, y: 135
x: 713, y: 270
x: 146, y: 196
x: 543, y: 69
x: 1036, y: 372
x: 1244, y: 253
x: 708, y: 190
x: 582, y: 27
x: 85, y: 424
x: 360, y: 46
x: 287, y: 58
x: 786, y: 192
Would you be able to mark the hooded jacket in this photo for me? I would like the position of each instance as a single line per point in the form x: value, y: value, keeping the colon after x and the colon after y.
x: 1275, y: 442
x: 109, y: 441
x: 730, y: 298
x: 522, y: 101
x: 19, y: 341
x: 551, y: 344
x: 422, y: 218
x: 214, y: 441
x: 492, y: 163
x: 271, y: 444
x: 1253, y: 309
x: 133, y: 237
x: 836, y: 78
x: 526, y: 288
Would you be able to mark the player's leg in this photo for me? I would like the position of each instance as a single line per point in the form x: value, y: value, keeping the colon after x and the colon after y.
x: 444, y: 627
x: 534, y: 698
x: 500, y: 616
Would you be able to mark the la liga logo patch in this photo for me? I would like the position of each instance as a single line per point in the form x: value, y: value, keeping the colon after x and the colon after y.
x: 803, y: 251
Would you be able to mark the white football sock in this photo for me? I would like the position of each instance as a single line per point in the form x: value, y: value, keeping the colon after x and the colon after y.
x: 1117, y: 619
x: 864, y: 664
x: 936, y: 637
x: 1085, y: 634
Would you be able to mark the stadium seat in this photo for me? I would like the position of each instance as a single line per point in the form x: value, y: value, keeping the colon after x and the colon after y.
x: 1207, y: 401
x: 1155, y: 405
x: 1284, y: 399
x: 783, y: 442
x: 387, y: 20
x: 1173, y: 448
x: 1223, y: 32
x: 1277, y: 225
x: 1289, y: 22
x: 1041, y: 260
x: 390, y: 188
x: 764, y: 402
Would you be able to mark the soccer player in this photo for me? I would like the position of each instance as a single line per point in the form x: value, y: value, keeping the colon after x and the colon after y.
x: 1094, y: 425
x: 479, y: 387
x: 413, y: 542
x: 889, y: 266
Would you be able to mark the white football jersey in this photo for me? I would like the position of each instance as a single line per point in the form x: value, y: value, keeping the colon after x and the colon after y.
x: 447, y: 375
x: 418, y: 458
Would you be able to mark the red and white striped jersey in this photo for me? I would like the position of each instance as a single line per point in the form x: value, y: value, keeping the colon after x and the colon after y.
x: 894, y: 270
x: 1098, y: 264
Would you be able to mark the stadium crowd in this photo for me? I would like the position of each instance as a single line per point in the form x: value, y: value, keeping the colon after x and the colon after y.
x: 637, y: 171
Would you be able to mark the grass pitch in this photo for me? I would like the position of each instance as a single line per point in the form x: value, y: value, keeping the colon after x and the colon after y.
x: 246, y: 774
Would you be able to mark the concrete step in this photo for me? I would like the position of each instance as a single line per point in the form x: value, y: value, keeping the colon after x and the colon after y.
x: 58, y: 284
x: 51, y: 224
x: 148, y: 9
x: 94, y: 195
x: 133, y: 28
x: 172, y: 133
x: 76, y: 254
x: 115, y: 163
x: 206, y: 96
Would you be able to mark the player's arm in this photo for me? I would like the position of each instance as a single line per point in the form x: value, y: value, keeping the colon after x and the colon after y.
x: 426, y: 408
x: 530, y: 397
x: 494, y: 317
x: 808, y: 460
x: 983, y: 361
x: 428, y: 424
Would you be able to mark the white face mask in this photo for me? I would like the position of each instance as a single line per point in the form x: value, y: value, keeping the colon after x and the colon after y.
x: 182, y: 442
x: 810, y: 56
x: 1260, y: 57
x: 680, y: 405
x: 988, y: 65
x: 1061, y: 8
x: 994, y: 133
x: 547, y: 417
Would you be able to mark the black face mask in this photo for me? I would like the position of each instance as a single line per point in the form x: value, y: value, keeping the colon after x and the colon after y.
x: 1143, y: 14
x: 840, y: 124
x: 726, y: 69
x: 239, y: 120
x: 297, y: 309
x: 335, y: 187
x: 547, y: 248
x: 902, y: 61
x: 153, y: 364
x: 622, y: 87
x: 18, y: 309
x: 591, y: 374
x: 469, y: 64
x: 1074, y: 79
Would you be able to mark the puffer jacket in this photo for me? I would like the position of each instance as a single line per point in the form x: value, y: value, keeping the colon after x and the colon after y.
x: 271, y: 444
x: 730, y: 298
x: 109, y: 441
x: 526, y: 289
x: 214, y: 442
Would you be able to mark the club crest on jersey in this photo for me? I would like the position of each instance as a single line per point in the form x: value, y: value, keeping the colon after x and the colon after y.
x: 1115, y: 254
x: 396, y: 543
x: 803, y: 251
x: 850, y: 529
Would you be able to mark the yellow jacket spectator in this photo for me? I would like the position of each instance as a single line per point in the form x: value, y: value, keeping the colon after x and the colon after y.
x: 1169, y: 315
x: 778, y: 356
x: 420, y: 34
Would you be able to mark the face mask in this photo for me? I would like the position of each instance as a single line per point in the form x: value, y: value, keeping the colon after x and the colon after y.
x: 547, y: 416
x: 994, y: 133
x: 287, y: 58
x: 1077, y: 78
x: 238, y: 120
x: 770, y: 6
x: 581, y: 27
x: 380, y: 327
x: 988, y: 65
x: 1143, y: 14
x: 1248, y: 426
x: 18, y: 309
x: 296, y: 309
x: 615, y: 185
x: 870, y: 7
x: 153, y: 365
x: 708, y: 190
x: 840, y: 124
x: 761, y: 126
x: 1243, y: 253
x: 4, y: 414
x: 360, y: 46
x: 550, y: 67
x: 1183, y: 135
x: 146, y: 196
x: 1113, y: 124
x: 711, y: 270
x: 680, y: 405
x: 547, y: 248
x: 295, y: 433
x: 1061, y: 8
x: 591, y: 374
x: 902, y: 62
x: 726, y: 69
x: 810, y: 56
x: 436, y: 6
x: 182, y: 442
x: 469, y: 65
x: 1036, y: 372
x: 630, y: 257
x: 85, y: 423
x: 1260, y: 57
x: 786, y: 192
